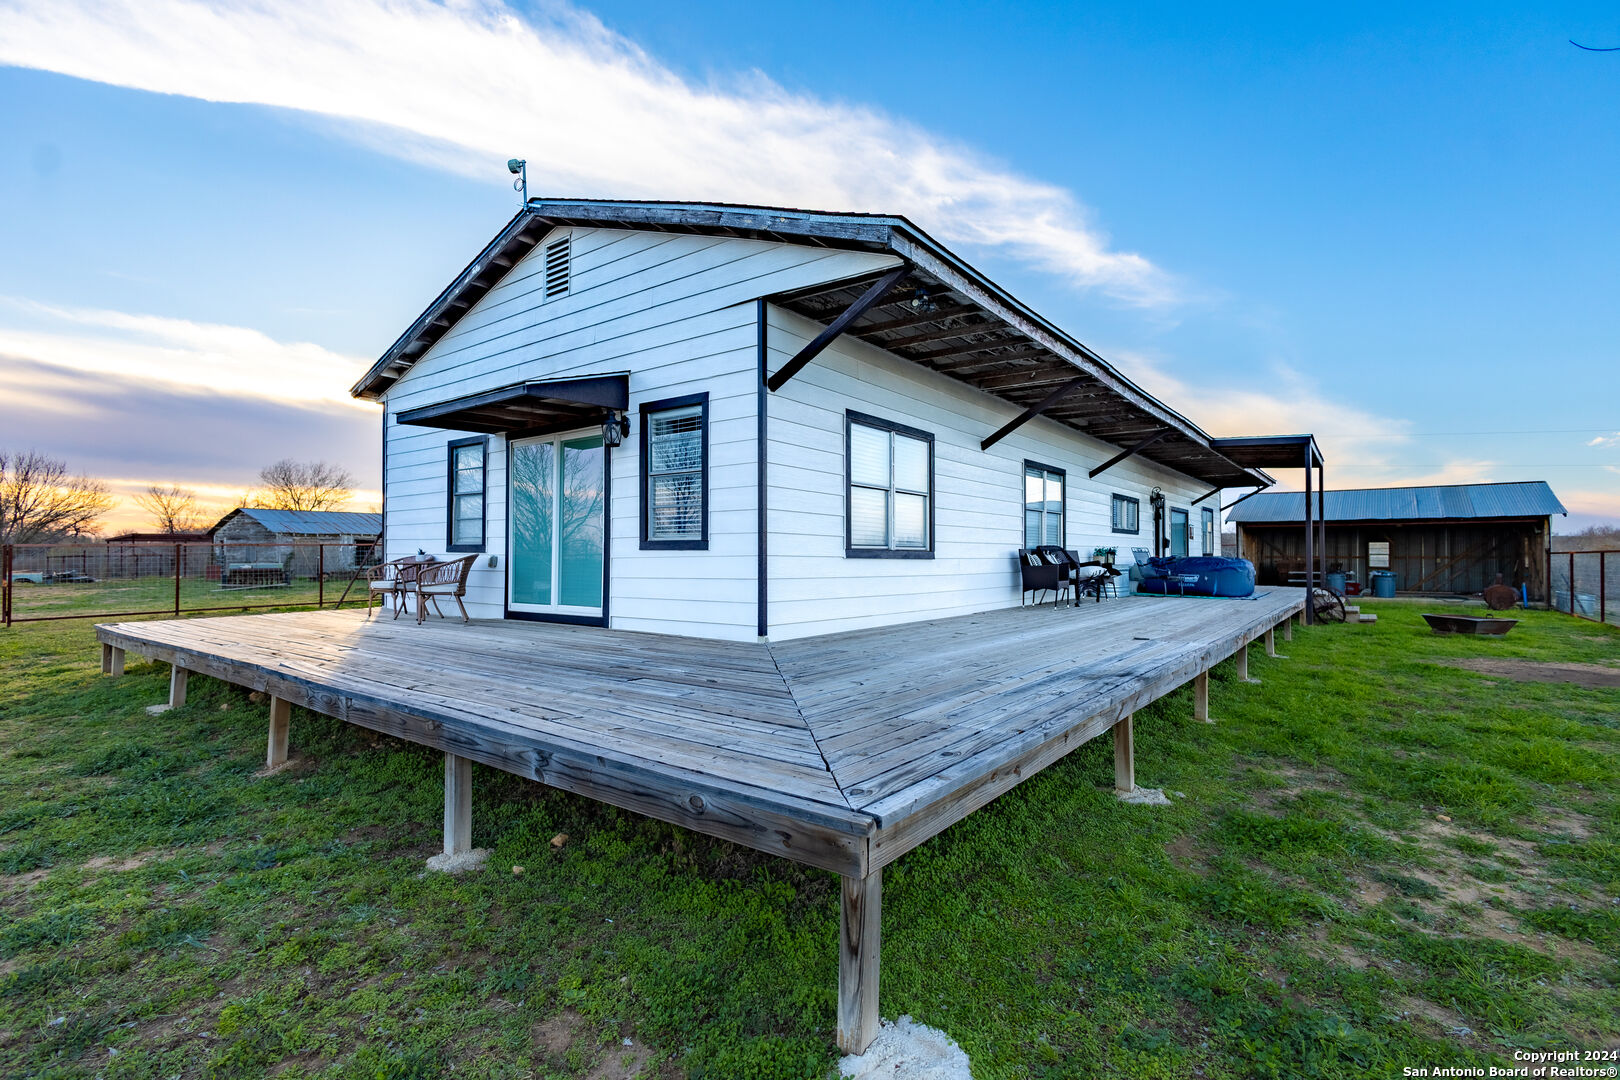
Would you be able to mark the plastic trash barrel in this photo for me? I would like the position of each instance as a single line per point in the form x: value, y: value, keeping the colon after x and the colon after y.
x: 1336, y: 581
x: 1383, y: 583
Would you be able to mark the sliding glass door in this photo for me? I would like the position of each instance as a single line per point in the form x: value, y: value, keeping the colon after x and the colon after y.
x: 558, y: 525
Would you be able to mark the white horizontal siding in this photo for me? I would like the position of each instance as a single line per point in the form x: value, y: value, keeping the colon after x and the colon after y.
x: 676, y: 313
x: 978, y: 511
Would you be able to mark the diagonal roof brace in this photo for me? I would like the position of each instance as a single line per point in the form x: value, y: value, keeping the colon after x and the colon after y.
x: 1250, y: 495
x: 1123, y: 454
x: 1032, y: 412
x: 867, y: 300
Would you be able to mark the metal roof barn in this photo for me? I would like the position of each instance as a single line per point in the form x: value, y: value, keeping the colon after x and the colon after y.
x: 1460, y: 502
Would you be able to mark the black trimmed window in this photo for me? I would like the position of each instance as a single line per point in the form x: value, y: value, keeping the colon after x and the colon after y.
x: 1043, y: 504
x: 464, y: 510
x: 1127, y: 514
x: 888, y: 489
x: 675, y: 473
x: 1207, y: 518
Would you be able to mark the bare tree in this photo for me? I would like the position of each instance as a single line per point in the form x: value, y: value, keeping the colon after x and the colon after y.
x: 303, y: 485
x: 40, y: 502
x: 173, y: 508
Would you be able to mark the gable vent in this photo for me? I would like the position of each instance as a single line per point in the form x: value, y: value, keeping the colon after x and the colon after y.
x: 558, y: 258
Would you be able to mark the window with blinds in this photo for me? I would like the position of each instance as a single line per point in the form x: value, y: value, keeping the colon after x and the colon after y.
x: 559, y: 257
x: 466, y: 495
x: 890, y: 474
x: 1127, y: 514
x: 674, y: 442
x: 1208, y: 521
x: 1043, y: 505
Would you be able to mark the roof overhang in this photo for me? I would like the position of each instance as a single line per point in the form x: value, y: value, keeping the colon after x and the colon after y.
x: 943, y: 315
x: 1272, y: 451
x: 530, y: 407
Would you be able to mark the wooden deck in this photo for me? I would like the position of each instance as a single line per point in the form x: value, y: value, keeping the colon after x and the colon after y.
x: 842, y: 752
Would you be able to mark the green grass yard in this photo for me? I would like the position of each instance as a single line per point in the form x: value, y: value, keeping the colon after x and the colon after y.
x: 1380, y: 861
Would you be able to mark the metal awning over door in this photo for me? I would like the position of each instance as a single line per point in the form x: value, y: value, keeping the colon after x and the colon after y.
x: 529, y: 408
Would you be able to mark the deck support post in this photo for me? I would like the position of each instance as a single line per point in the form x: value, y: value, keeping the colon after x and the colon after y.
x: 1242, y: 657
x: 1201, y: 698
x: 1124, y: 756
x: 457, y: 804
x: 1271, y: 641
x: 280, y: 729
x: 112, y: 660
x: 859, y: 933
x: 177, y: 691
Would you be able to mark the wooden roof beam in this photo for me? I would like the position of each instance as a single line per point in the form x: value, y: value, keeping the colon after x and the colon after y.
x: 947, y: 332
x: 916, y: 320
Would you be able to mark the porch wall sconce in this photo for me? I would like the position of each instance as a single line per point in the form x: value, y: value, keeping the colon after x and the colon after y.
x: 615, y: 430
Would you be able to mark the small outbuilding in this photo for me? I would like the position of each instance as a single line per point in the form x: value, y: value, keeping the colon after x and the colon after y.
x: 1436, y: 540
x: 303, y: 541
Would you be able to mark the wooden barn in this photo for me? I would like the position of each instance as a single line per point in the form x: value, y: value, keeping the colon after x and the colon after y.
x: 1436, y: 540
x: 255, y: 534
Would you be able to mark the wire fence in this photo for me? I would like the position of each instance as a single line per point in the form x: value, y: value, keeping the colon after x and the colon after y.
x: 1584, y: 583
x: 40, y: 582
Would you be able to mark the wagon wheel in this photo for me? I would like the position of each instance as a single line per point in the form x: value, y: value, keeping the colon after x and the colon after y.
x: 1329, y: 605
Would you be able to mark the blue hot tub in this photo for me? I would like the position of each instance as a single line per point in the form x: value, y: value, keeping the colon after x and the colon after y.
x: 1197, y: 575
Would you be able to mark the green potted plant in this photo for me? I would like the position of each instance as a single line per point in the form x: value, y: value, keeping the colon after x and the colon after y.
x: 1105, y: 555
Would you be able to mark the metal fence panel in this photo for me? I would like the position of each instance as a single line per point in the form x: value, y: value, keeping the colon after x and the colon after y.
x: 1584, y: 583
x: 77, y: 581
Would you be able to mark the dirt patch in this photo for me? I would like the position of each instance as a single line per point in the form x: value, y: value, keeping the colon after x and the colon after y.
x: 621, y: 1062
x: 559, y: 1033
x: 108, y: 862
x: 8, y: 882
x: 1568, y: 823
x: 1592, y: 676
x: 1185, y: 853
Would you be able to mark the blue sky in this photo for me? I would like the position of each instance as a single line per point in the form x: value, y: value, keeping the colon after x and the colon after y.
x: 1376, y: 225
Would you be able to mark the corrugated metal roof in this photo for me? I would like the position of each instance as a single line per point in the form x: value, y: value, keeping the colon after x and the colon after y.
x: 312, y: 522
x: 1530, y: 499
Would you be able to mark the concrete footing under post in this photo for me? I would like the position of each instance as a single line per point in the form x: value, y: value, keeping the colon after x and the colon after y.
x: 177, y: 691
x: 458, y: 854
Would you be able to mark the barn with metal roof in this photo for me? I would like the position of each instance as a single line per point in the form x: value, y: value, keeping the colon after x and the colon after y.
x: 1443, y: 539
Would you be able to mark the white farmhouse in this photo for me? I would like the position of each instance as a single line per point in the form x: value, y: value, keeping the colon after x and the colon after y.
x: 743, y: 422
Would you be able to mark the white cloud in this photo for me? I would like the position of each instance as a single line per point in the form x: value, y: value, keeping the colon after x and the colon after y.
x: 465, y: 84
x: 1606, y: 440
x: 1295, y: 404
x: 203, y: 357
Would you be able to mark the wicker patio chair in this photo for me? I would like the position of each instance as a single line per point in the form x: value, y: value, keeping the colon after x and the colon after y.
x: 1039, y: 573
x: 446, y: 579
x: 386, y: 582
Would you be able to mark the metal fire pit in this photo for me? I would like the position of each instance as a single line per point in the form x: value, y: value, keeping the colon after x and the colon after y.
x: 1469, y: 624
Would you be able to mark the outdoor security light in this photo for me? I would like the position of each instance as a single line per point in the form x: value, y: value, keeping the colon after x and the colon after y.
x: 519, y: 168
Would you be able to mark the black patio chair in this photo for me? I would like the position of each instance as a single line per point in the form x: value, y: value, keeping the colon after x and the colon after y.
x: 1040, y: 574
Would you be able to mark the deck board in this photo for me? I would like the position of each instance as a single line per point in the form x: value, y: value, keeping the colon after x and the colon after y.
x: 841, y: 751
